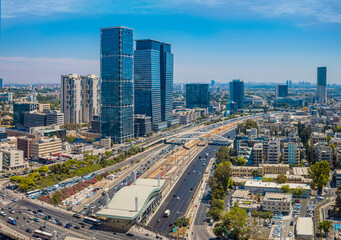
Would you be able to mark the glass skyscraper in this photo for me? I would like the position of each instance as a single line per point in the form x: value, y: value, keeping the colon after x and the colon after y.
x: 322, y: 84
x: 166, y: 76
x: 147, y: 84
x: 197, y: 95
x: 237, y: 92
x: 117, y: 86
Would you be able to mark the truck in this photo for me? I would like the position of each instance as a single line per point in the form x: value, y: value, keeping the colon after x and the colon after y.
x: 166, y: 214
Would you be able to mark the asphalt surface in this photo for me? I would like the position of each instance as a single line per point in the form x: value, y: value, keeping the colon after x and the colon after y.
x: 22, y: 224
x: 181, y: 195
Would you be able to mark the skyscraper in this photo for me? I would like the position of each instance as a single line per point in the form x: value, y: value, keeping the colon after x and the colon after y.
x: 80, y: 97
x: 117, y: 86
x: 281, y: 90
x: 166, y: 75
x: 1, y: 83
x: 147, y: 83
x: 237, y: 92
x: 322, y: 84
x: 197, y: 95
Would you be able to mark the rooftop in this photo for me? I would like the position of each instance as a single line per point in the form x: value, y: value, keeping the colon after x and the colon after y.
x: 241, y: 194
x: 305, y: 226
x: 122, y: 205
x: 274, y: 185
x: 277, y: 197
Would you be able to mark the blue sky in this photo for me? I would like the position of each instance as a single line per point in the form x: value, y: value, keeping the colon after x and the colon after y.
x: 256, y: 41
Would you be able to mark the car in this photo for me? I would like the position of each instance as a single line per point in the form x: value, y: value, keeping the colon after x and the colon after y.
x: 11, y: 211
x: 76, y: 215
x: 93, y: 206
x: 177, y: 198
x: 40, y: 210
x: 3, y: 214
x: 174, y: 195
x: 290, y: 234
x: 76, y: 227
x: 28, y: 230
x: 269, y: 226
x: 36, y: 219
x: 170, y: 224
x: 45, y: 218
x: 159, y: 220
x: 59, y: 223
x: 130, y: 234
x: 86, y: 206
x: 292, y: 223
x: 67, y: 226
x: 100, y: 206
x: 14, y: 199
x: 42, y: 228
x: 191, y: 189
x: 35, y: 212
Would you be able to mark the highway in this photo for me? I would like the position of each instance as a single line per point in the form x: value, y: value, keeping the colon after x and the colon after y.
x: 181, y: 195
x: 88, y: 232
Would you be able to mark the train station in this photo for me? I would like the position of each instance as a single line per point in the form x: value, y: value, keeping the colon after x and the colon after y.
x: 132, y: 204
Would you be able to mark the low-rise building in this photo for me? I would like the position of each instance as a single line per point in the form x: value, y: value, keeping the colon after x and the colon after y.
x: 142, y: 125
x: 275, y: 168
x: 338, y: 154
x: 323, y: 152
x: 46, y: 147
x: 277, y: 202
x: 264, y: 187
x: 317, y: 137
x: 251, y: 132
x: 12, y: 159
x: 305, y: 228
x: 246, y: 171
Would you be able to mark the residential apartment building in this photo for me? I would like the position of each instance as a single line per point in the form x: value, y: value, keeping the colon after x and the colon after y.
x: 24, y: 143
x: 258, y: 154
x: 317, y: 137
x: 338, y: 176
x: 12, y: 159
x: 291, y: 153
x: 277, y: 202
x: 79, y: 97
x: 323, y: 152
x: 246, y: 171
x: 273, y: 152
x: 338, y: 154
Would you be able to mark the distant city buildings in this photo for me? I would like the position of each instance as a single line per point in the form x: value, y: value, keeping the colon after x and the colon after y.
x: 281, y: 91
x: 197, y: 96
x: 321, y: 85
x: 79, y: 97
x: 6, y: 97
x: 117, y: 86
x: 237, y: 92
x: 1, y: 83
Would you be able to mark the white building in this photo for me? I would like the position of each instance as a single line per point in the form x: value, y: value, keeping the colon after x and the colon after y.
x: 277, y: 202
x: 305, y: 228
x: 317, y: 137
x: 12, y: 159
x: 79, y: 97
x: 251, y: 132
x: 323, y: 152
x: 273, y: 152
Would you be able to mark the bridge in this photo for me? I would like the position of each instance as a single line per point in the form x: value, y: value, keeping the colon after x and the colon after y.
x: 213, y: 138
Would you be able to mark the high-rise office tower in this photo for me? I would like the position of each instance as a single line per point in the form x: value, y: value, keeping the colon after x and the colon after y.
x: 166, y: 75
x: 147, y: 83
x: 281, y: 91
x: 322, y: 84
x: 79, y: 97
x: 117, y: 86
x: 197, y: 95
x: 237, y: 92
x: 1, y: 83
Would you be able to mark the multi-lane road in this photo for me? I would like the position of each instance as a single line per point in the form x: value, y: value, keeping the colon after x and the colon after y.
x: 181, y: 195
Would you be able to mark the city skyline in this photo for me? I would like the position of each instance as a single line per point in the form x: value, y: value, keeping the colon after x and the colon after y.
x: 221, y: 40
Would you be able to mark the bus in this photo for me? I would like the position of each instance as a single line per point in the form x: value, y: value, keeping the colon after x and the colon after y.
x: 92, y: 221
x: 166, y: 214
x: 11, y: 221
x: 42, y: 234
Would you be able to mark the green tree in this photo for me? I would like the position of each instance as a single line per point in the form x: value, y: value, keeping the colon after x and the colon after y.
x: 181, y: 222
x: 298, y: 191
x: 217, y: 203
x: 223, y: 154
x: 325, y: 226
x: 286, y: 189
x: 257, y: 173
x: 235, y: 222
x: 241, y: 161
x: 281, y: 178
x: 319, y: 173
x: 215, y: 213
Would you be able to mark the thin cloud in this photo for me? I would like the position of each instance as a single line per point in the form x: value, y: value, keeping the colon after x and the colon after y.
x: 43, y: 70
x: 327, y: 11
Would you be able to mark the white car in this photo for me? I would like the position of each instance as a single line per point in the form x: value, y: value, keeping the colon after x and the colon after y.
x: 86, y: 206
x: 93, y: 207
x: 3, y: 214
x: 290, y: 234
